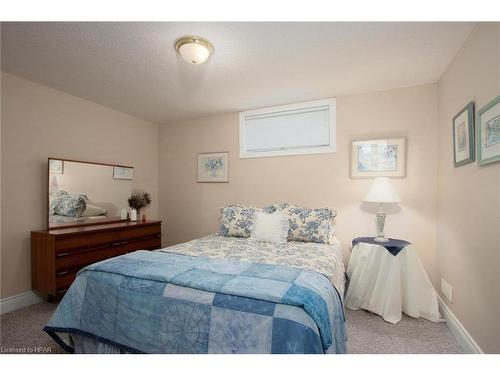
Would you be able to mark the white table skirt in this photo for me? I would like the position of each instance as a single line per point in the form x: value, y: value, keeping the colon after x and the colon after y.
x: 387, y: 285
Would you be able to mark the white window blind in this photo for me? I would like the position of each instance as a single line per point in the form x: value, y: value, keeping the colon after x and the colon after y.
x: 303, y: 128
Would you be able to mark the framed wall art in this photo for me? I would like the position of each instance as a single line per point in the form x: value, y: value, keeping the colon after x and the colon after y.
x: 213, y: 167
x: 378, y: 157
x: 56, y: 166
x: 123, y: 173
x: 463, y: 136
x: 488, y: 132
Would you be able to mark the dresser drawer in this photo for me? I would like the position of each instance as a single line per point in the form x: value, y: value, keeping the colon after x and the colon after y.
x: 105, y: 238
x: 149, y: 243
x: 82, y: 258
x: 72, y: 260
x: 139, y: 232
x: 93, y: 240
x: 64, y: 279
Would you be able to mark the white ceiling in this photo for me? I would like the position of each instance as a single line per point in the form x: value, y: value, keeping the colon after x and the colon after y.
x: 133, y: 67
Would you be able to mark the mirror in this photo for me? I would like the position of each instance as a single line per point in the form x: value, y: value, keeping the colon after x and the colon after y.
x: 85, y: 193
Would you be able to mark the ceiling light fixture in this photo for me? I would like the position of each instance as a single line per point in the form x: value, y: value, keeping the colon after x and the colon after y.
x: 194, y: 49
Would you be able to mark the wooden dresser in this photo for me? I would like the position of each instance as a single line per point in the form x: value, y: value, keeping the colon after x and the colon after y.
x: 58, y: 254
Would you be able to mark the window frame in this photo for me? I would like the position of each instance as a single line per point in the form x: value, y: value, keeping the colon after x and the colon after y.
x: 330, y: 148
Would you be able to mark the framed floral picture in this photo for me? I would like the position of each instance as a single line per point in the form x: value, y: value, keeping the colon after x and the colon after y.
x: 488, y: 132
x: 378, y: 157
x: 213, y: 167
x: 463, y: 136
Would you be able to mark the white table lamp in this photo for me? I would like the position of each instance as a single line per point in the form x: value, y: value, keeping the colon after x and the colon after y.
x: 381, y: 192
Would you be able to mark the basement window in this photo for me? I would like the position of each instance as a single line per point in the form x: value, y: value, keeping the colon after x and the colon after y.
x: 296, y: 129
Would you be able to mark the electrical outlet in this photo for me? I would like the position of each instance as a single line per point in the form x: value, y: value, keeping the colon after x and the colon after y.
x: 447, y: 290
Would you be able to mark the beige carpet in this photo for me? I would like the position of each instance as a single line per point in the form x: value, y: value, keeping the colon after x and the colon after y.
x: 21, y: 330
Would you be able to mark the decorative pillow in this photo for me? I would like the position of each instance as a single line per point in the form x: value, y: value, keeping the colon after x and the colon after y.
x: 269, y: 209
x: 236, y: 220
x: 270, y: 227
x: 71, y: 205
x: 54, y: 200
x: 92, y: 210
x: 307, y: 224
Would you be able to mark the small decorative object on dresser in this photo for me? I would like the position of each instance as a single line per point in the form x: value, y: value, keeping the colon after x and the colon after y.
x: 463, y: 136
x: 58, y: 254
x: 213, y: 167
x: 382, y: 193
x: 488, y: 132
x: 388, y: 279
x: 133, y: 214
x: 378, y: 157
x: 137, y: 201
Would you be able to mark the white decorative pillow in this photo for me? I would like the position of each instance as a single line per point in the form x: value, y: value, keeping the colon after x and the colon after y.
x: 92, y: 210
x: 271, y: 227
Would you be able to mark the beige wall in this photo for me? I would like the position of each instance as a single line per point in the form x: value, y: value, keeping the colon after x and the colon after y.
x: 191, y: 209
x: 38, y: 122
x: 468, y: 251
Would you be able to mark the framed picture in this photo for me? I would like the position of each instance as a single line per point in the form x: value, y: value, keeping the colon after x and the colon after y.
x: 123, y: 173
x: 463, y: 136
x: 488, y: 132
x: 378, y: 157
x: 56, y: 166
x: 213, y: 167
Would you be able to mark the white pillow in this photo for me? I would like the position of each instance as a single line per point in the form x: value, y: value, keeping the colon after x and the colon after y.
x: 270, y: 227
x: 91, y: 210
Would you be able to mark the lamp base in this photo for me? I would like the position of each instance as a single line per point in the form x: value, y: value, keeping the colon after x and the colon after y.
x: 381, y: 239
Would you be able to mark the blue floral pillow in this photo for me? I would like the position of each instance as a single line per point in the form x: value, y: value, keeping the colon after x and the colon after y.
x: 71, y: 205
x: 54, y: 197
x: 307, y: 224
x: 236, y: 220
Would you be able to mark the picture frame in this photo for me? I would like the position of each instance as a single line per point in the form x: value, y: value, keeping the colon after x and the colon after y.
x: 56, y: 166
x: 123, y: 173
x: 488, y: 132
x: 463, y: 136
x: 378, y: 158
x: 213, y: 167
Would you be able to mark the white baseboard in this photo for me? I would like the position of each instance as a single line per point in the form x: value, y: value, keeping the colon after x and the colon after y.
x: 18, y: 301
x: 458, y: 330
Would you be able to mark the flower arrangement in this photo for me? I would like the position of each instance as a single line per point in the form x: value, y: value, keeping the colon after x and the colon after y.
x: 139, y: 200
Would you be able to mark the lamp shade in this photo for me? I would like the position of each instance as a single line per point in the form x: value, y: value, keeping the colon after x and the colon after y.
x: 382, y: 191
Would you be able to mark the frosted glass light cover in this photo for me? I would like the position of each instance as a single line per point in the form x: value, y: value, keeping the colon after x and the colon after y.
x: 194, y: 53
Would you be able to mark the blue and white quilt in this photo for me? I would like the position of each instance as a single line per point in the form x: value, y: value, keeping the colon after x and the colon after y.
x: 168, y: 302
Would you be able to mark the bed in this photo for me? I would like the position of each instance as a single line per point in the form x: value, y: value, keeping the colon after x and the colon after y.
x: 215, y: 294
